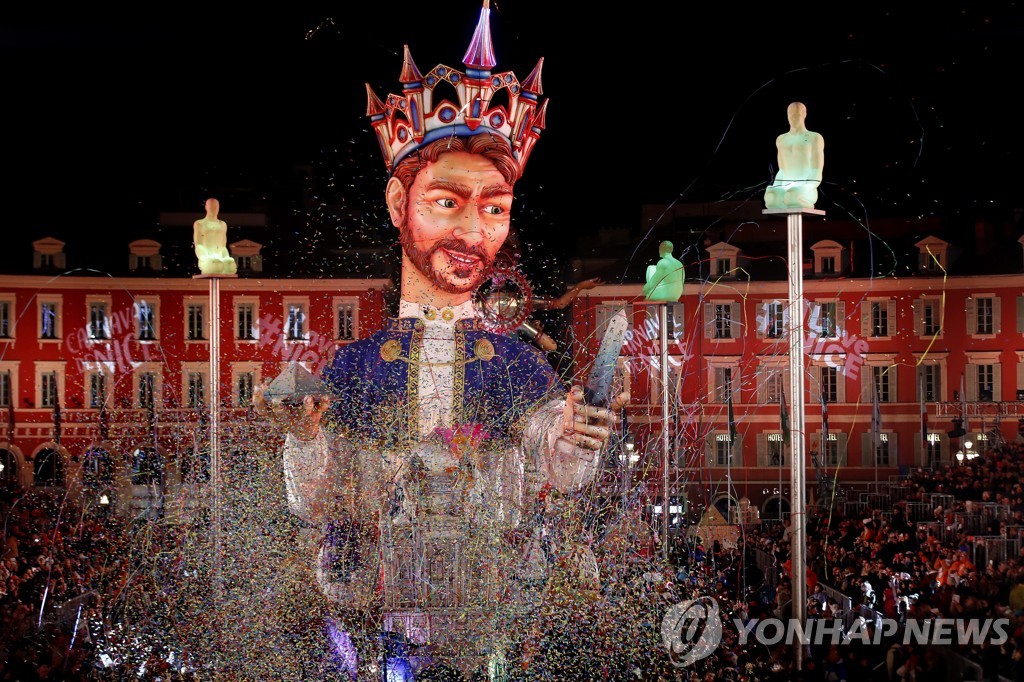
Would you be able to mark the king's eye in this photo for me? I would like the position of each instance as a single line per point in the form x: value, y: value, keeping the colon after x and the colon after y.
x: 447, y: 203
x: 494, y: 210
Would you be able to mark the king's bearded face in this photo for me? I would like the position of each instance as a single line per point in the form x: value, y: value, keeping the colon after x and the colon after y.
x: 456, y: 220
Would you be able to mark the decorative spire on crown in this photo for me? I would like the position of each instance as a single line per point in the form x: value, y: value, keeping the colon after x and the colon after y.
x: 408, y: 121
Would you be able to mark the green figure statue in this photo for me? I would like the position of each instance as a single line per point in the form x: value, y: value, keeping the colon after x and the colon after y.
x: 665, y: 280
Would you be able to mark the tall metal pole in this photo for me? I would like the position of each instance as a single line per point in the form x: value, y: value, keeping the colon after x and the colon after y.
x: 797, y: 416
x: 794, y: 223
x: 666, y: 449
x: 215, y: 501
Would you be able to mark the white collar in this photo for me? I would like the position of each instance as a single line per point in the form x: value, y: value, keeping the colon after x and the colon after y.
x: 431, y: 315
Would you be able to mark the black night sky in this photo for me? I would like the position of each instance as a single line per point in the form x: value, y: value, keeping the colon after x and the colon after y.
x: 110, y: 119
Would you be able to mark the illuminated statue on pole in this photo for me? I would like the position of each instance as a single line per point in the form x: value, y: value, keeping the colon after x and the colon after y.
x: 210, y: 235
x: 665, y: 279
x: 801, y: 160
x: 441, y: 435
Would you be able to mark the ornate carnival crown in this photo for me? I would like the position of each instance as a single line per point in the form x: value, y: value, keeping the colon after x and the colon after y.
x: 413, y: 119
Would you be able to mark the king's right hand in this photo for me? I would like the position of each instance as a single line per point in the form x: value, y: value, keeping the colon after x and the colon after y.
x: 301, y: 421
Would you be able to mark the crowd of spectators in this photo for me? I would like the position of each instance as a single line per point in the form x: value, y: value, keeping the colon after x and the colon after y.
x: 62, y: 568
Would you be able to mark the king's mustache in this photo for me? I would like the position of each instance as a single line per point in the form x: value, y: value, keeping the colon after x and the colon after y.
x: 460, y: 247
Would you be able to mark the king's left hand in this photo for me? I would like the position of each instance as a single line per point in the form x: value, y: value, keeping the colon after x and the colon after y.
x: 587, y: 426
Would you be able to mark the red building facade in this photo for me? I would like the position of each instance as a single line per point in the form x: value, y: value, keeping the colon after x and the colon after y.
x: 104, y: 382
x: 949, y: 344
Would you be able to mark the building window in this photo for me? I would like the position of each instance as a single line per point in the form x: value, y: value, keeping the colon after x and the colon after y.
x: 723, y: 450
x: 830, y: 384
x: 983, y: 310
x: 879, y: 318
x: 142, y: 263
x: 195, y: 313
x: 98, y: 326
x: 46, y: 260
x: 48, y: 389
x: 931, y: 324
x: 6, y: 324
x: 147, y: 390
x: 147, y: 467
x: 296, y: 326
x: 48, y: 320
x: 724, y: 267
x: 48, y: 468
x: 986, y: 383
x: 827, y: 320
x: 723, y: 384
x: 6, y: 386
x: 776, y: 450
x: 245, y: 382
x: 145, y: 316
x: 830, y: 451
x: 97, y: 469
x: 775, y: 323
x: 931, y: 382
x: 882, y: 450
x: 774, y: 384
x: 97, y: 389
x: 244, y: 263
x: 246, y: 316
x: 882, y: 376
x: 723, y: 320
x: 346, y: 321
x: 933, y: 455
x: 828, y: 265
x: 931, y: 262
x: 196, y: 390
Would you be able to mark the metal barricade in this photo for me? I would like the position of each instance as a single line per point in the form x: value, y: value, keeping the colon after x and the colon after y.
x: 943, y: 500
x: 919, y: 512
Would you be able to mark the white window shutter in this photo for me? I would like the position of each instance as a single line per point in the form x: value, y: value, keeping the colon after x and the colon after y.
x: 840, y: 386
x: 919, y: 305
x: 997, y: 317
x: 677, y: 331
x: 785, y: 320
x: 893, y: 386
x: 972, y: 384
x: 737, y: 395
x: 938, y: 384
x: 867, y: 379
x: 764, y: 319
x: 997, y: 382
x: 709, y: 320
x: 762, y: 384
x: 815, y: 386
x: 972, y: 322
x: 737, y: 451
x: 840, y: 318
x: 734, y: 321
x: 1020, y: 314
x: 865, y: 319
x: 890, y: 318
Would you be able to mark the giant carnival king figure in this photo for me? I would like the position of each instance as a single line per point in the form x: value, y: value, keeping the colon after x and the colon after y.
x: 440, y: 435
